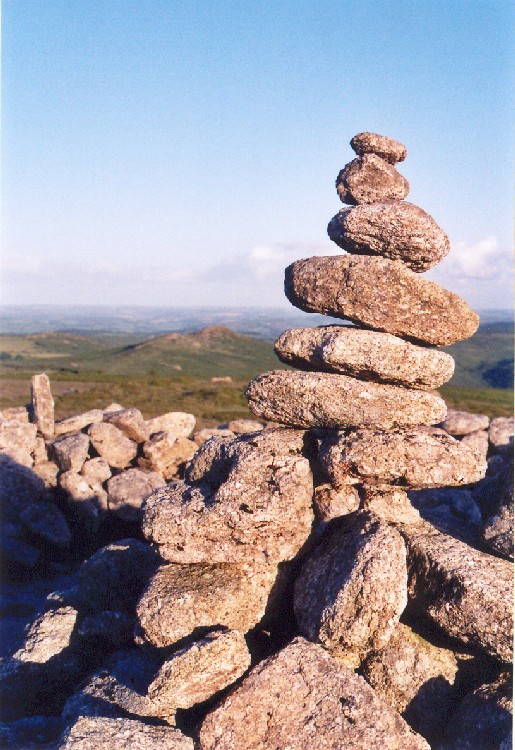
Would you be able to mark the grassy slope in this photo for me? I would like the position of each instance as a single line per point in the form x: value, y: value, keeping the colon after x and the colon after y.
x: 173, y: 372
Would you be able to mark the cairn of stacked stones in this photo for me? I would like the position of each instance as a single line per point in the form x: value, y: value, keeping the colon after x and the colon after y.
x: 282, y: 591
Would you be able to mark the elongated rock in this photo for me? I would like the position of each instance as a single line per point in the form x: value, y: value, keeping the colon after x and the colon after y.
x: 302, y: 699
x: 398, y: 231
x: 466, y: 593
x: 351, y: 591
x: 181, y: 598
x: 370, y: 179
x: 260, y: 510
x: 317, y: 399
x: 372, y: 143
x: 412, y: 458
x: 380, y: 294
x: 43, y: 404
x: 367, y: 355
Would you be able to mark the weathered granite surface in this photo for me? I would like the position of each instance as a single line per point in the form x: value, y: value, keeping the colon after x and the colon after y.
x: 372, y: 143
x: 370, y: 179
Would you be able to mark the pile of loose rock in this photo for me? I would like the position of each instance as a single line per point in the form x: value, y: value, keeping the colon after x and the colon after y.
x: 342, y: 581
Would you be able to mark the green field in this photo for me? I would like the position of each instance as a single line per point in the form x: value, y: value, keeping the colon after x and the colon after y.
x: 173, y: 372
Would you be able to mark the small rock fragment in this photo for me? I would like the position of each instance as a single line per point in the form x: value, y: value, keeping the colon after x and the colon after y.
x: 372, y: 143
x: 500, y: 434
x: 49, y: 635
x: 202, y: 436
x: 131, y: 423
x: 352, y: 589
x: 319, y: 399
x: 410, y: 306
x: 166, y: 452
x: 330, y: 502
x: 96, y: 471
x: 478, y: 442
x: 85, y: 503
x: 366, y: 355
x: 199, y: 671
x: 179, y: 422
x: 244, y: 426
x: 48, y: 471
x: 18, y: 440
x: 391, y: 504
x: 78, y: 422
x: 45, y: 520
x: 370, y: 179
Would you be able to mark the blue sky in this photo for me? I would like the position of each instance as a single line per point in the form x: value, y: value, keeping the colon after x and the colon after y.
x: 165, y: 152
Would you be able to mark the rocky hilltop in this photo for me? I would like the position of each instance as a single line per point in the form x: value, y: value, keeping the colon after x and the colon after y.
x: 336, y: 573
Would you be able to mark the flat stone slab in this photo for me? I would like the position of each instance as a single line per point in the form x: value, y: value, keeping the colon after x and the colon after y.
x: 465, y: 592
x: 259, y: 508
x: 198, y: 671
x: 409, y: 458
x: 317, y: 399
x: 351, y: 591
x: 398, y: 231
x: 366, y: 355
x: 302, y: 699
x: 372, y: 143
x: 181, y: 598
x: 461, y: 423
x: 370, y: 179
x: 381, y: 294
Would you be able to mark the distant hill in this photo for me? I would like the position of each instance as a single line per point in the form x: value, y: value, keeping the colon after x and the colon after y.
x: 486, y: 359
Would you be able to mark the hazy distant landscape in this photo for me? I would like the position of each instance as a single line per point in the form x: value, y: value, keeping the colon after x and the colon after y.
x: 161, y: 359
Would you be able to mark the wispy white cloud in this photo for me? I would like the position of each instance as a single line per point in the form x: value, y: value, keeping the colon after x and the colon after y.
x: 484, y: 260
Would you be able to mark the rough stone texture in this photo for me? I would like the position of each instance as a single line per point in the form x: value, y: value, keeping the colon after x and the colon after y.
x: 372, y: 143
x: 301, y: 699
x: 19, y: 487
x: 500, y: 434
x: 202, y: 436
x: 16, y: 413
x: 42, y: 404
x: 352, y: 589
x: 45, y: 520
x: 366, y: 355
x: 30, y: 732
x: 114, y: 576
x: 370, y: 179
x: 48, y: 471
x: 460, y: 423
x: 244, y: 426
x: 330, y: 502
x: 69, y: 451
x: 127, y: 491
x: 48, y: 636
x: 410, y: 458
x: 78, y: 422
x: 398, y: 231
x: 85, y: 503
x: 96, y: 471
x: 166, y: 452
x: 179, y: 422
x: 381, y: 294
x: 259, y: 507
x: 390, y: 504
x: 131, y: 423
x: 18, y: 440
x: 182, y: 598
x: 40, y: 452
x: 466, y: 593
x: 477, y: 441
x: 415, y: 678
x: 483, y: 720
x: 117, y: 688
x: 452, y: 510
x: 319, y: 399
x: 199, y: 671
x: 497, y: 532
x: 97, y: 733
x: 111, y: 444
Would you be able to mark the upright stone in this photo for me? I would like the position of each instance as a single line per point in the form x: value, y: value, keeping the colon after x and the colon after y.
x: 42, y: 404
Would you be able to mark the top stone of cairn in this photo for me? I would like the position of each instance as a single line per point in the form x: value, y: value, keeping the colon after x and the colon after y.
x: 387, y: 148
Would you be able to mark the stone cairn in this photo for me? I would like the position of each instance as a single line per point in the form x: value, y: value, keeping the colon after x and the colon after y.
x: 263, y: 610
